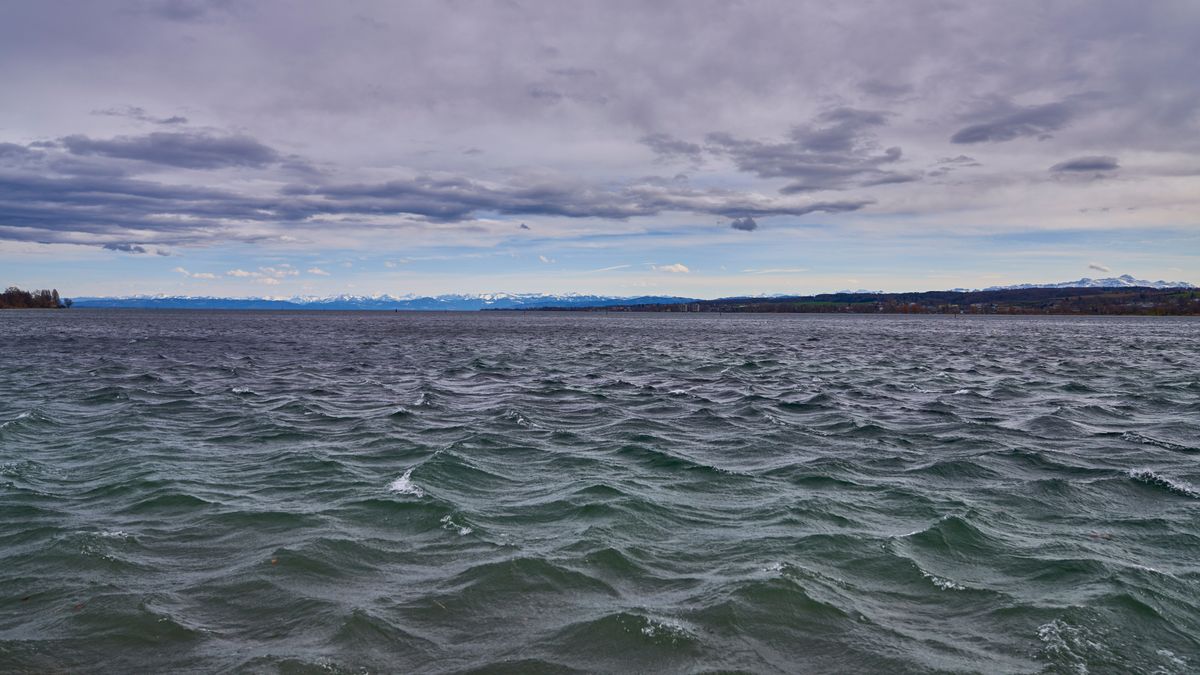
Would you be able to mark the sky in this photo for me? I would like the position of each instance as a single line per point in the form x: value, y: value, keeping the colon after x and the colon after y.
x: 696, y: 148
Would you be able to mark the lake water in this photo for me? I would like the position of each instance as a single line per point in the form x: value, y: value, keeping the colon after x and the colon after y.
x: 554, y: 492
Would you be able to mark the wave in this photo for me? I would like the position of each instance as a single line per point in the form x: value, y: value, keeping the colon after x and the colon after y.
x: 1134, y: 437
x: 1155, y: 480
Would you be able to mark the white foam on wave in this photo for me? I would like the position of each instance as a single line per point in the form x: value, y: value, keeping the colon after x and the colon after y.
x: 1068, y: 645
x: 405, y: 485
x: 1179, y: 487
x: 944, y: 584
x: 1135, y: 437
x: 24, y: 415
x: 518, y: 418
x: 672, y: 629
x: 449, y: 524
x: 1173, y: 660
x: 960, y: 392
x: 242, y: 390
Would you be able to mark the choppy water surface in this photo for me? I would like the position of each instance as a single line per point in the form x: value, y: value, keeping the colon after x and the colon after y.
x: 316, y: 492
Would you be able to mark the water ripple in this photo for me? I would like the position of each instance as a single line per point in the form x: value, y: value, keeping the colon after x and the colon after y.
x: 358, y: 492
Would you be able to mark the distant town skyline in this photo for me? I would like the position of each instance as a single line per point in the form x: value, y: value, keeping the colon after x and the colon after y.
x: 700, y: 149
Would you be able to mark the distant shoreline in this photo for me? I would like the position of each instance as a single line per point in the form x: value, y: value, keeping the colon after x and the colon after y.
x: 1081, y: 301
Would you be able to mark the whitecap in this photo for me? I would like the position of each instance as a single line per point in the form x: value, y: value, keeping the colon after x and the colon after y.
x: 24, y: 415
x: 1179, y: 487
x: 960, y: 392
x: 944, y: 584
x: 449, y: 524
x: 1172, y: 659
x: 405, y: 485
x: 1135, y: 437
x: 666, y: 628
x: 518, y: 418
x: 1066, y: 643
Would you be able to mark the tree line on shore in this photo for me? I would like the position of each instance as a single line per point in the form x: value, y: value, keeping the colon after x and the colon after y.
x: 1141, y: 301
x: 15, y: 298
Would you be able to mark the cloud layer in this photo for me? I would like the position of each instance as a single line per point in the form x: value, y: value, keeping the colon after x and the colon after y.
x: 221, y: 123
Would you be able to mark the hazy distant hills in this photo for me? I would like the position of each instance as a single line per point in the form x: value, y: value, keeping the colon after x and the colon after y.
x: 379, y: 302
x: 518, y: 300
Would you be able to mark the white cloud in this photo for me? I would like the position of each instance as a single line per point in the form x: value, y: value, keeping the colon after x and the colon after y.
x: 268, y: 281
x: 545, y: 259
x: 284, y: 270
x: 675, y: 268
x: 194, y: 275
x: 776, y: 270
x: 318, y: 271
x: 279, y: 272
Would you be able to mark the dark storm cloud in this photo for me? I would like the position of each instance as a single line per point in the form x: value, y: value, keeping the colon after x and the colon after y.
x: 456, y: 199
x: 125, y: 248
x: 111, y: 208
x: 837, y: 151
x: 1038, y: 120
x: 745, y: 224
x: 184, y: 150
x: 91, y: 209
x: 1094, y: 163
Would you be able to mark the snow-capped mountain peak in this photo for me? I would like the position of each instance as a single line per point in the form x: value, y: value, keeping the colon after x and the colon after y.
x: 1123, y: 281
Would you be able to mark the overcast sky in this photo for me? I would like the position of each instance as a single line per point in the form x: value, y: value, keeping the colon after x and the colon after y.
x: 230, y: 147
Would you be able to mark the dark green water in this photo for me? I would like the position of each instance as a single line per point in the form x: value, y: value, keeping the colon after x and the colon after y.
x: 356, y: 492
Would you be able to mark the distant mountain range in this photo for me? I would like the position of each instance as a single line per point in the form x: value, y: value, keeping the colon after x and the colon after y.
x: 1123, y: 281
x: 467, y: 303
x: 378, y: 302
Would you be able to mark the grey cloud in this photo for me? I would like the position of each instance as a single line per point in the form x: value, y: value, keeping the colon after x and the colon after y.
x: 668, y: 147
x: 1098, y: 267
x: 1037, y: 120
x: 187, y: 11
x: 885, y: 89
x: 327, y: 79
x: 140, y: 114
x: 960, y: 160
x: 179, y: 149
x: 125, y: 248
x: 1092, y: 163
x: 574, y: 73
x: 14, y: 151
x: 946, y: 165
x: 837, y: 151
x: 110, y: 209
x: 745, y: 224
